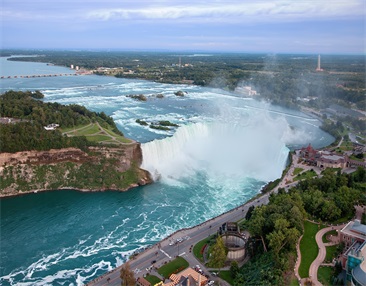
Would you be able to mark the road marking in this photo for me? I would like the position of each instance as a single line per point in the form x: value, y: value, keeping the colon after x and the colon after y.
x: 183, y: 253
x: 165, y: 253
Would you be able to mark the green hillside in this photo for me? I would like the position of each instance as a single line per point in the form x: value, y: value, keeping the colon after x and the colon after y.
x: 78, y: 127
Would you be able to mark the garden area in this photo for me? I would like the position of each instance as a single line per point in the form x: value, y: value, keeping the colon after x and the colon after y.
x: 174, y: 266
x: 200, y: 247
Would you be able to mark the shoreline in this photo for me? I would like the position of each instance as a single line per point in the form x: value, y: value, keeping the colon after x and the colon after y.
x: 132, y: 186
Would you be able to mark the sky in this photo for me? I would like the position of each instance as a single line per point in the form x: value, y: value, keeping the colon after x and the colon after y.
x: 270, y: 26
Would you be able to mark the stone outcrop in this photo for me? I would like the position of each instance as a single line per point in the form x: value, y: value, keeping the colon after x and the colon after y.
x: 98, y: 169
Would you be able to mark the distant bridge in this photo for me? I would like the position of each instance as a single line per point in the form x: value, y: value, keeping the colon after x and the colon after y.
x: 43, y: 75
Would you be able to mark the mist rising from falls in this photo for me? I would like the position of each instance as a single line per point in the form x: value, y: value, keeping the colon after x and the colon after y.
x: 252, y: 148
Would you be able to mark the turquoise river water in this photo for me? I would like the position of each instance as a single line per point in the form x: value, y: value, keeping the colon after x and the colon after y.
x: 226, y: 148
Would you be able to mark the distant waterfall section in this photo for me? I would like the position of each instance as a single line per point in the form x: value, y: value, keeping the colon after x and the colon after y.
x: 254, y: 149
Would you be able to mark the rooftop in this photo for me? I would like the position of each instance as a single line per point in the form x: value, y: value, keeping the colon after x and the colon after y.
x: 355, y: 229
x: 186, y: 273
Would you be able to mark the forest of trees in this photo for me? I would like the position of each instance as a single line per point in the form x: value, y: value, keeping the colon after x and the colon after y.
x: 33, y: 114
x: 276, y: 227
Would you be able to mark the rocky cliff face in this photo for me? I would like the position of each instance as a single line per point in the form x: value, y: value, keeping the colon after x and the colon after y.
x: 98, y: 169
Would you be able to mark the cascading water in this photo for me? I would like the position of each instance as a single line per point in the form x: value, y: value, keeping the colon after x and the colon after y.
x: 220, y: 149
x: 69, y: 238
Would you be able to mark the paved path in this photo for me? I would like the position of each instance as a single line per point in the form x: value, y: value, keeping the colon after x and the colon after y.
x: 313, y: 271
x: 298, y: 261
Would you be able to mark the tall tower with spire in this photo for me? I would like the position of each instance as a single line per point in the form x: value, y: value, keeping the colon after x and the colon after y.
x: 318, y: 68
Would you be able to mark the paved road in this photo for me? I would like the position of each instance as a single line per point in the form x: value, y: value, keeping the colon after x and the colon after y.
x: 164, y: 251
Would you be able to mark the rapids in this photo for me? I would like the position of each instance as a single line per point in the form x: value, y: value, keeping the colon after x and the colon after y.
x: 224, y: 151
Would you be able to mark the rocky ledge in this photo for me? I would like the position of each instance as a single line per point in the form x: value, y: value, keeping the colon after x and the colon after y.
x: 98, y: 169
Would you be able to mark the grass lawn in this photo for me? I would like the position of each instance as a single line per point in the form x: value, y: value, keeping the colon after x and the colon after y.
x: 122, y: 139
x: 332, y: 232
x: 305, y: 175
x: 324, y: 275
x: 63, y: 130
x: 226, y: 275
x: 175, y: 266
x: 92, y: 129
x: 98, y: 138
x: 346, y: 146
x: 308, y: 248
x: 198, y: 247
x: 331, y: 251
x: 94, y: 134
x: 298, y: 171
x: 152, y: 279
x: 294, y: 282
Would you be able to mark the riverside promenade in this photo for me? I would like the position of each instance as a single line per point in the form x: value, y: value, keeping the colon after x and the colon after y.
x: 166, y: 250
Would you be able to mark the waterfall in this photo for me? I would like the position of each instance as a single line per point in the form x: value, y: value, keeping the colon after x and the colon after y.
x: 253, y: 148
x: 173, y: 154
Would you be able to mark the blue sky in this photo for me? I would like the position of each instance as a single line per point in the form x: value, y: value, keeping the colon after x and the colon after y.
x: 274, y: 26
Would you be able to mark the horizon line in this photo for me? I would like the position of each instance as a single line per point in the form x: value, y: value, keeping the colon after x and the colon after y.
x: 179, y: 51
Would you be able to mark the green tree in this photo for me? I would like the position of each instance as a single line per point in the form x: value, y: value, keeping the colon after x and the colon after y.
x: 256, y: 224
x: 360, y: 175
x: 234, y: 269
x: 126, y: 275
x: 249, y: 213
x: 282, y: 235
x: 218, y: 254
x: 330, y: 211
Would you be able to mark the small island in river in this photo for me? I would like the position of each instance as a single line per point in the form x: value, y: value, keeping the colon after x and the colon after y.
x: 48, y: 146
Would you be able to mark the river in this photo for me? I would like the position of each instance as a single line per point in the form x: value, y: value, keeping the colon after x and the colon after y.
x: 224, y: 150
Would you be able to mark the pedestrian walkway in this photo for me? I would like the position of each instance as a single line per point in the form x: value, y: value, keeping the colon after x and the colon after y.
x: 313, y: 271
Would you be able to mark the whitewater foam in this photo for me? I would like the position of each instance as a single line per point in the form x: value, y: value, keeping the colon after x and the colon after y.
x: 225, y: 150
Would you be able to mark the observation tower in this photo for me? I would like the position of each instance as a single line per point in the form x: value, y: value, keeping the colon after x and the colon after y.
x: 318, y: 68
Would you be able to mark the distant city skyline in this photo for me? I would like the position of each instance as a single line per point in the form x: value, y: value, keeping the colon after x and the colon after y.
x: 276, y: 26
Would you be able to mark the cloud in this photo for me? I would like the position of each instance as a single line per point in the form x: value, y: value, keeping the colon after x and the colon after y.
x: 234, y: 11
x: 237, y: 25
x: 264, y: 10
